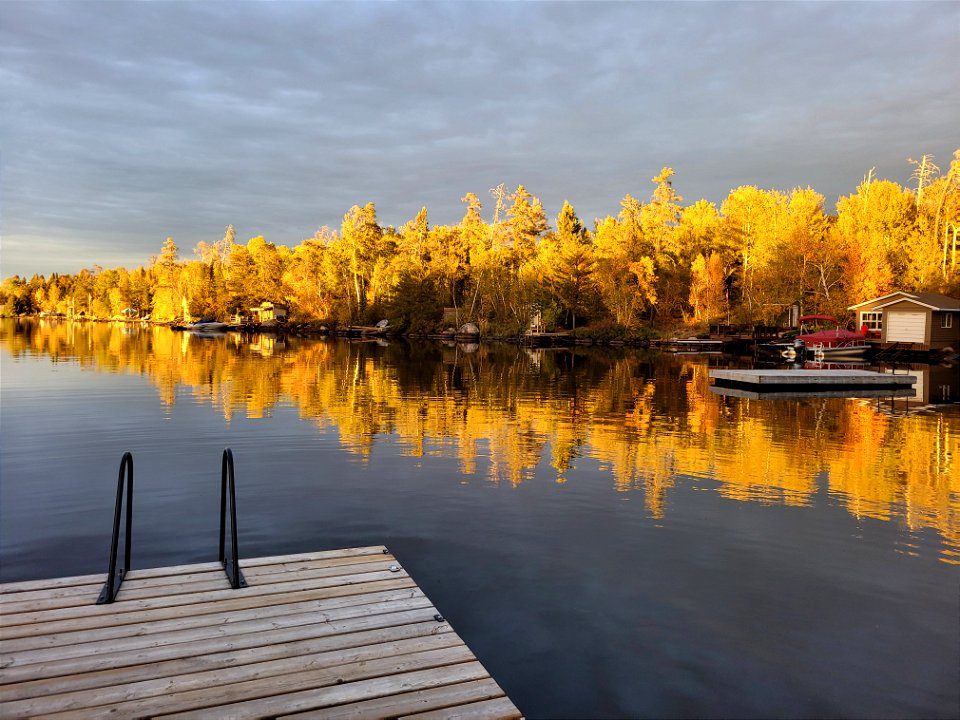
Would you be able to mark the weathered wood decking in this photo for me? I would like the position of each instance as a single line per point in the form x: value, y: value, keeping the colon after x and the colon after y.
x: 337, y: 634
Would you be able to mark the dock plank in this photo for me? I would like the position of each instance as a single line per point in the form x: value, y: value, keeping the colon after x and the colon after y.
x: 443, y: 697
x: 340, y: 633
x: 240, y: 602
x: 15, y: 672
x: 223, y: 619
x: 227, y: 659
x: 164, y: 686
x: 178, y: 570
x: 500, y: 708
x: 197, y: 583
x: 318, y: 698
x: 20, y: 613
x: 126, y: 611
x: 264, y: 623
x: 161, y: 584
x: 260, y: 697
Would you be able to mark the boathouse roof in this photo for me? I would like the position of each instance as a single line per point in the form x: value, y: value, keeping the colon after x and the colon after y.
x: 933, y: 301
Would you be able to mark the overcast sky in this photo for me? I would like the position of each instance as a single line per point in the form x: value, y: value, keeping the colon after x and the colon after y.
x: 124, y: 123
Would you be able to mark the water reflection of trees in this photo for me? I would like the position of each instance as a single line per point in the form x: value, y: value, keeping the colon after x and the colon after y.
x: 504, y: 411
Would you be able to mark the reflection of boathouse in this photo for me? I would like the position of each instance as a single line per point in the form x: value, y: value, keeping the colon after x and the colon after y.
x: 266, y: 344
x: 934, y: 385
x: 923, y: 321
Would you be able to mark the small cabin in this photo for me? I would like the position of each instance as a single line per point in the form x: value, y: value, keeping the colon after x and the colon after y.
x: 924, y: 321
x: 268, y: 312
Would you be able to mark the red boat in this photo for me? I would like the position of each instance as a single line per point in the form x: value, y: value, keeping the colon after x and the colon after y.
x: 829, y: 342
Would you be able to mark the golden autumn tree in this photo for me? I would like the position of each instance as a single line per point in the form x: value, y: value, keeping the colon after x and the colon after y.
x: 167, y: 296
x: 567, y: 265
x: 707, y: 287
x: 199, y: 290
x: 412, y: 303
x: 412, y: 243
x: 336, y: 286
x: 477, y: 238
x: 361, y: 236
x: 930, y: 263
x: 944, y: 195
x: 527, y: 222
x: 753, y: 225
x: 876, y: 223
x: 269, y: 262
x: 612, y: 259
x: 511, y: 279
x: 659, y: 218
x: 241, y: 279
x: 697, y: 232
x: 626, y: 275
x: 303, y: 279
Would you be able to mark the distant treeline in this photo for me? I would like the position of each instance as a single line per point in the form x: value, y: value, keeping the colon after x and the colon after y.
x: 656, y: 263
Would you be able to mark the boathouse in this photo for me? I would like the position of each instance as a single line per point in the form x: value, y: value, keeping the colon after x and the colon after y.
x: 924, y: 321
x: 268, y: 312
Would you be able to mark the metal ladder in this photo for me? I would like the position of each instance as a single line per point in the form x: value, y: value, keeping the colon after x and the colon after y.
x: 230, y: 564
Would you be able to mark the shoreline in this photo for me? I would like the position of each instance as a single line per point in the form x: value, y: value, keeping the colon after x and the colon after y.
x: 648, y: 339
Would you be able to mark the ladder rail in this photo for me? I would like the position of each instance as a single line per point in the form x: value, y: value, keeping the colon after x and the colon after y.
x: 228, y: 487
x: 114, y: 576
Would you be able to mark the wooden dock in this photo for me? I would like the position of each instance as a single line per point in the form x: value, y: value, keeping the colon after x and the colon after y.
x: 542, y: 339
x: 336, y: 634
x: 691, y: 346
x: 796, y: 381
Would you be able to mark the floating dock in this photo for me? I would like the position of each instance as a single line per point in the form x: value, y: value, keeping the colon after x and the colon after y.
x: 811, y: 383
x: 336, y: 634
x: 542, y: 339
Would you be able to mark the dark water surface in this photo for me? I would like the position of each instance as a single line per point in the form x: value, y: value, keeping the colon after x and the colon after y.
x: 608, y: 536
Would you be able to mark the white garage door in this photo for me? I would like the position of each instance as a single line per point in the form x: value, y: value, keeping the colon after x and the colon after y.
x: 906, y: 326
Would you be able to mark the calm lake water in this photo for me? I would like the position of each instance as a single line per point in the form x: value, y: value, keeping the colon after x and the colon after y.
x: 611, y: 538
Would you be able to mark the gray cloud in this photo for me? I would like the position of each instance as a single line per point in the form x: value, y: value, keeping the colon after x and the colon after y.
x: 123, y: 123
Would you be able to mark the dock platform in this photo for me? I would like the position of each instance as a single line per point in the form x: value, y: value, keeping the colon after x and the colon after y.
x: 825, y: 383
x: 335, y: 634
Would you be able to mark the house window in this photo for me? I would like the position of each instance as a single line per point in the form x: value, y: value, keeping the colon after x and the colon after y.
x: 946, y: 320
x: 873, y: 321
